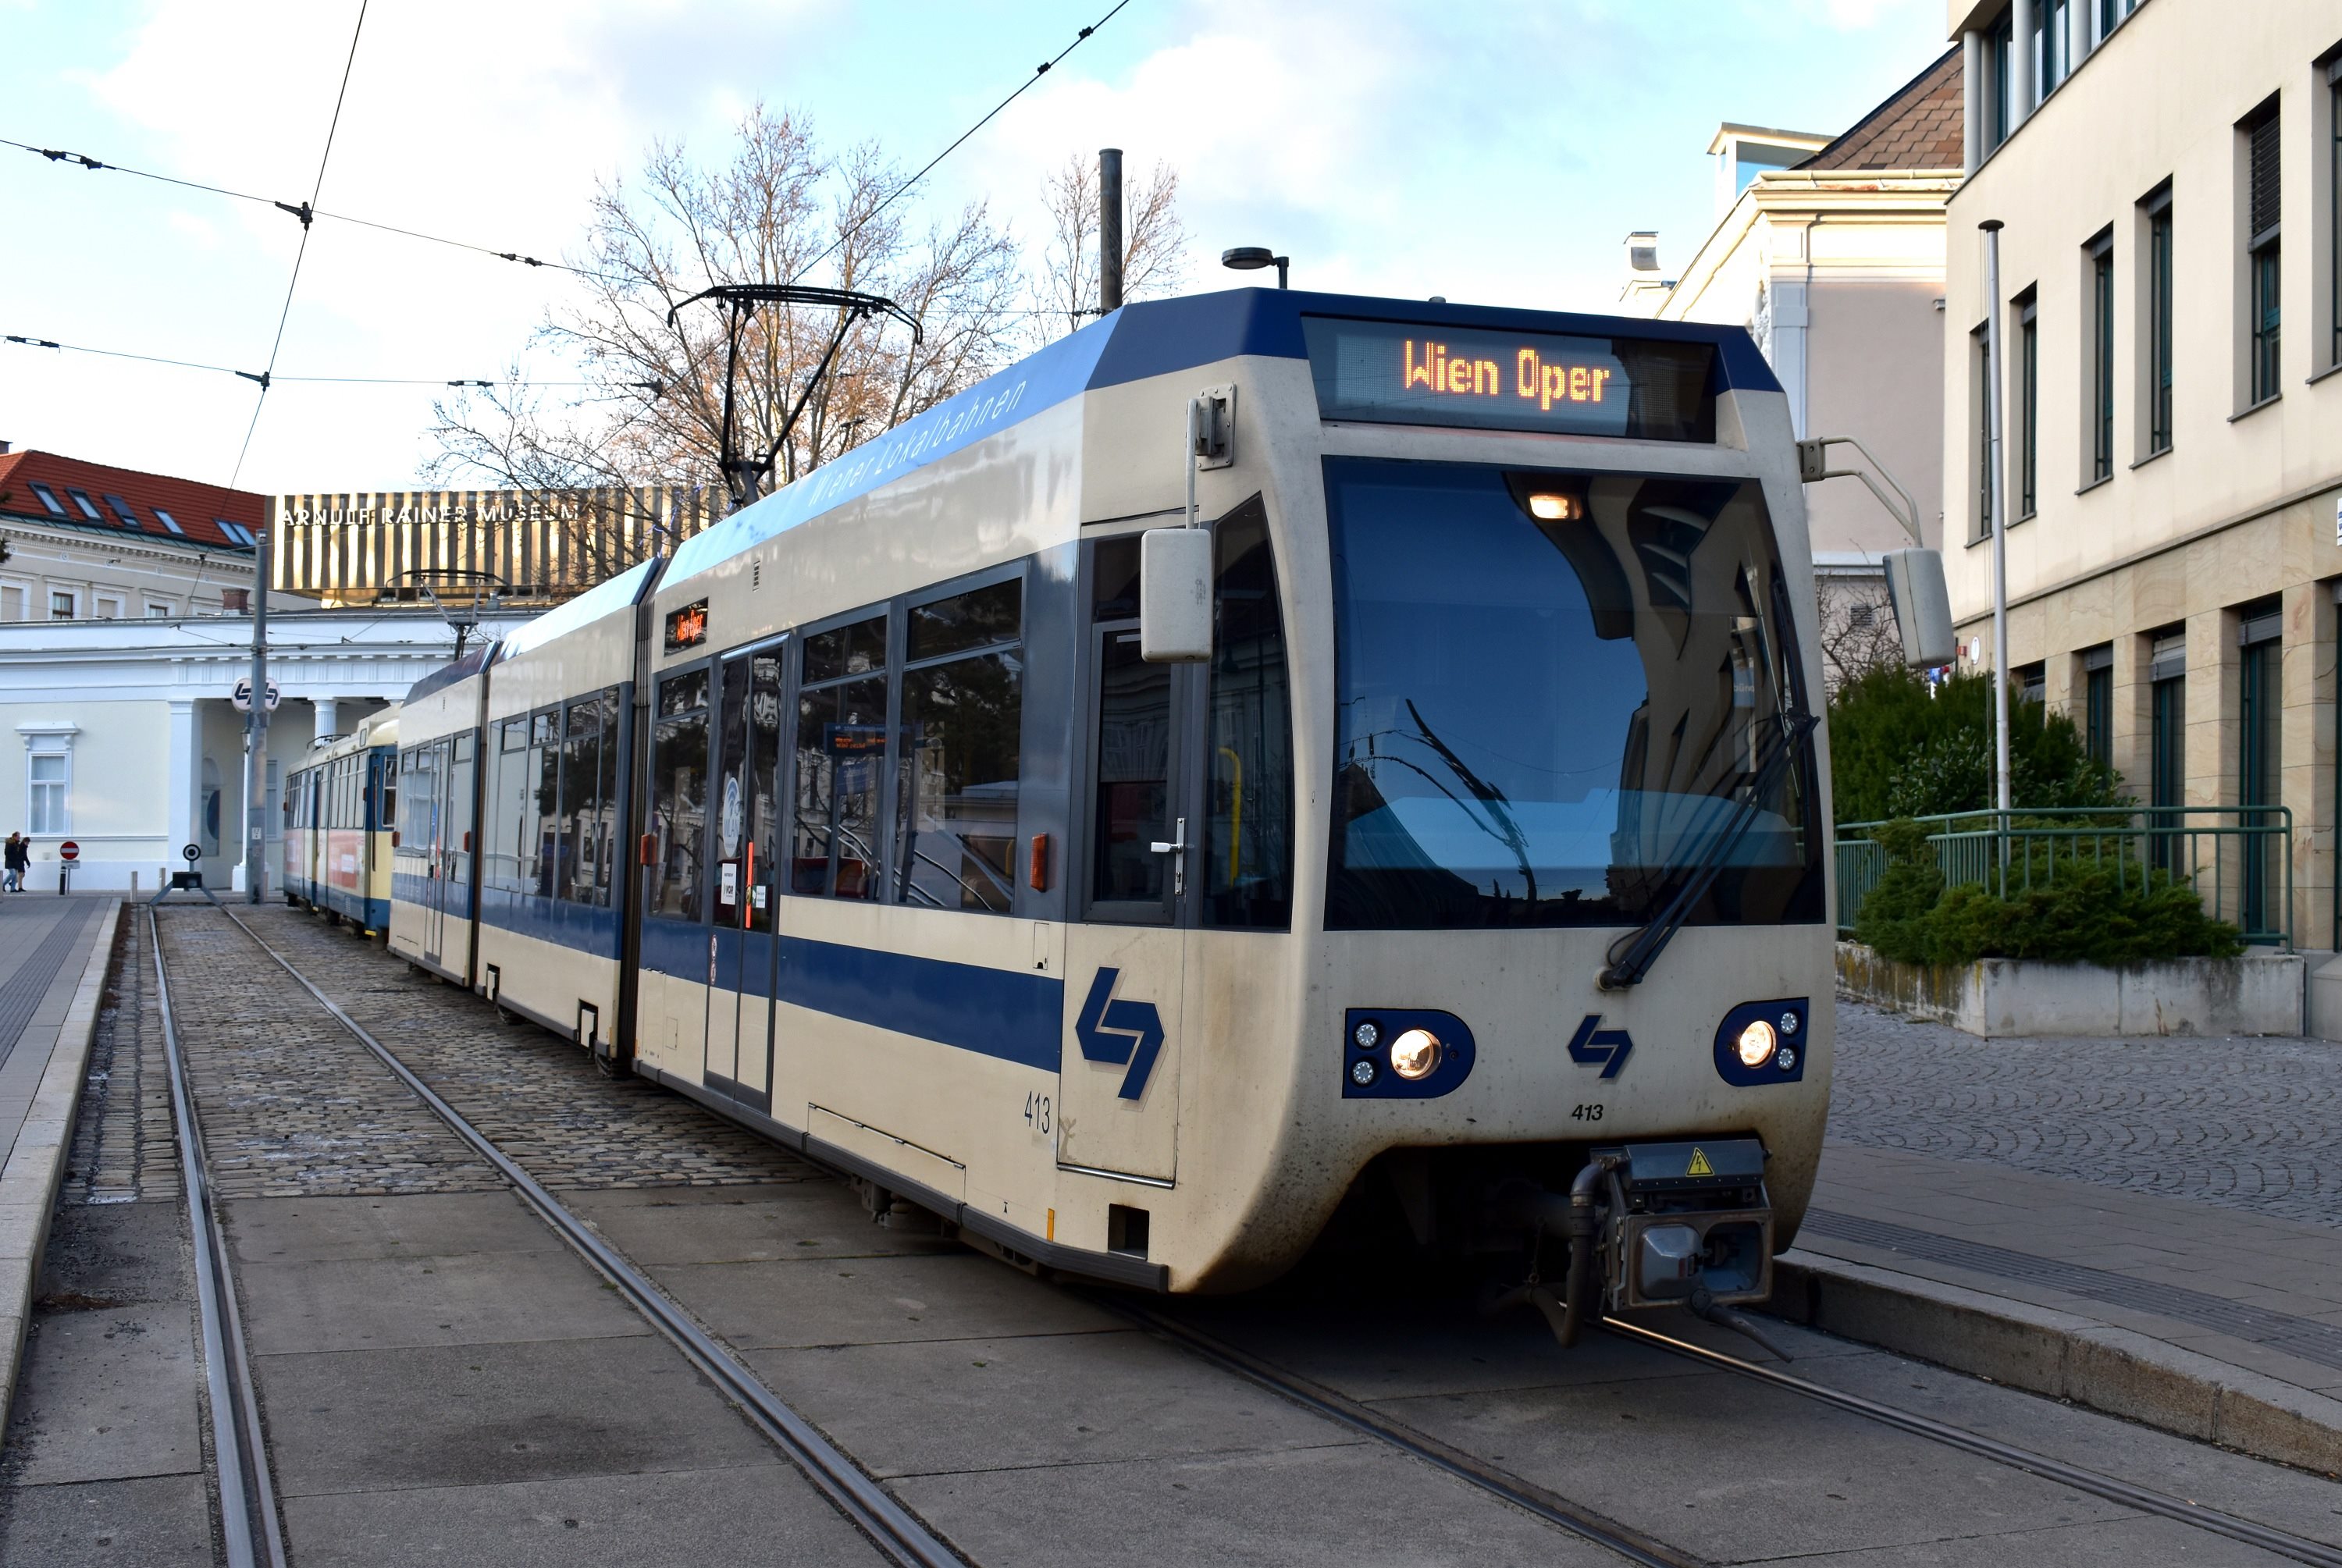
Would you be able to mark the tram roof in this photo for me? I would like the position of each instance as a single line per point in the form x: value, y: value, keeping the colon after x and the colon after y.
x: 625, y: 589
x: 1154, y: 338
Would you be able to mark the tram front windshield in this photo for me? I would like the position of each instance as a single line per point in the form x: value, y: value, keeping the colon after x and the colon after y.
x: 1557, y: 694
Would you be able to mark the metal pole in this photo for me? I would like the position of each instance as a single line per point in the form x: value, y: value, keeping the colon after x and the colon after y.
x: 256, y: 757
x: 1109, y: 230
x: 1996, y: 373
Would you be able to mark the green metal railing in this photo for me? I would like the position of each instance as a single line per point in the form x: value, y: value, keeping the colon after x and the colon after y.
x: 2239, y: 859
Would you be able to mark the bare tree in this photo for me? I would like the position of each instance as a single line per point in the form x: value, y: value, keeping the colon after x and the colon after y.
x: 1154, y: 244
x: 780, y: 208
x: 1858, y: 628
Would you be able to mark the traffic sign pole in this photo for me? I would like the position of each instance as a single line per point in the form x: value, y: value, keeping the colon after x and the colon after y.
x: 255, y: 751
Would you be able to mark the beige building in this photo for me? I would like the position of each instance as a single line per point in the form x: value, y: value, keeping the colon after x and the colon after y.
x: 2167, y: 173
x: 1830, y: 251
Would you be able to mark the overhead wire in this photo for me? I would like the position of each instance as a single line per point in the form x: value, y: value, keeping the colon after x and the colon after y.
x: 312, y: 380
x: 285, y: 315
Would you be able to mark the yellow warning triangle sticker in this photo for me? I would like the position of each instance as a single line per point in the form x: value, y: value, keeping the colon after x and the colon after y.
x: 1700, y: 1166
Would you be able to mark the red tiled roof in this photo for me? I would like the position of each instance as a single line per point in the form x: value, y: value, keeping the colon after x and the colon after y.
x: 197, y: 507
x: 1917, y: 128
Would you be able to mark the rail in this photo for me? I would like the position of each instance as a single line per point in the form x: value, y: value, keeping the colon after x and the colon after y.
x: 2239, y: 859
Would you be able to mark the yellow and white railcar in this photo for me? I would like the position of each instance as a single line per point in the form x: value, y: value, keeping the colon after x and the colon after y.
x: 1139, y: 969
x: 435, y: 880
x: 338, y: 809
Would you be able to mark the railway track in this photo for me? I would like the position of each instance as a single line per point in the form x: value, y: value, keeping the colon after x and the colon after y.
x: 251, y: 1531
x: 1607, y: 1532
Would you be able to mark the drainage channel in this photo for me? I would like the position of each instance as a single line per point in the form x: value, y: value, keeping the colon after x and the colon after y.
x: 894, y: 1528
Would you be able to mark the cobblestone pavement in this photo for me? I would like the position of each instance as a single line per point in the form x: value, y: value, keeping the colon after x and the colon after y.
x: 291, y: 1106
x: 2246, y: 1123
x: 125, y: 1147
x: 539, y: 1097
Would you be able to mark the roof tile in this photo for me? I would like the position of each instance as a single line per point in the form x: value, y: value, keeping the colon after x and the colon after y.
x: 195, y: 506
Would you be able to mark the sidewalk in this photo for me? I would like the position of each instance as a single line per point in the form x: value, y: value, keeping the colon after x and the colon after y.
x: 2152, y: 1228
x: 53, y: 956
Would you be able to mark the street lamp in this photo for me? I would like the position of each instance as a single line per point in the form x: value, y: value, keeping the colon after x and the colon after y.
x: 1251, y: 258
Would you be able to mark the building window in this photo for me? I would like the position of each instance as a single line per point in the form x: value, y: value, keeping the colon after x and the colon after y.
x: 13, y: 599
x: 157, y: 609
x: 48, y: 778
x: 88, y: 507
x: 168, y: 521
x: 63, y: 604
x: 2032, y: 682
x: 1980, y: 357
x: 2260, y: 763
x: 2052, y: 45
x: 2167, y: 764
x: 2000, y: 89
x: 2261, y: 252
x: 48, y: 498
x: 2028, y: 408
x: 2098, y: 705
x: 2158, y: 322
x: 2102, y: 357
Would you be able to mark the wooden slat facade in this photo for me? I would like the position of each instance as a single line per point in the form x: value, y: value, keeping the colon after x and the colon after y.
x: 358, y: 548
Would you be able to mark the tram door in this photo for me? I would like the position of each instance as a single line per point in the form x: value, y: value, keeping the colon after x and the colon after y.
x: 426, y: 779
x: 459, y: 768
x: 744, y: 949
x: 1126, y: 958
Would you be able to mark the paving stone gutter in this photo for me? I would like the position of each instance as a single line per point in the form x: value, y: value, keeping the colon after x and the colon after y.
x: 2064, y: 1356
x: 34, y: 1171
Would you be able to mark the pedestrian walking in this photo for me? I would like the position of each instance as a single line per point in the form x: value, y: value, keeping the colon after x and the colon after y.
x: 19, y: 861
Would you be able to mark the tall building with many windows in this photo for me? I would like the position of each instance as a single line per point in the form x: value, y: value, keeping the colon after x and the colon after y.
x: 2170, y: 323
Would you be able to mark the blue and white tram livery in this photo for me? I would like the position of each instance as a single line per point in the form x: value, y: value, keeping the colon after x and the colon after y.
x: 435, y: 881
x: 1265, y: 752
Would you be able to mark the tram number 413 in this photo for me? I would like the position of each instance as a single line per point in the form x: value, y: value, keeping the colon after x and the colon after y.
x: 1587, y: 1113
x: 1036, y: 1112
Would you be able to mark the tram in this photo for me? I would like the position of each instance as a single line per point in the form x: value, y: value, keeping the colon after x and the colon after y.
x: 339, y: 806
x: 1267, y: 755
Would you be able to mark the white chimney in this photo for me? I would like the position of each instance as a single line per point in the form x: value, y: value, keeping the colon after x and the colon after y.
x: 1645, y: 289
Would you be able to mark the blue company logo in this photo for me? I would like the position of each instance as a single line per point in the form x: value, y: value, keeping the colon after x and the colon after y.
x: 1593, y: 1044
x: 1120, y: 1031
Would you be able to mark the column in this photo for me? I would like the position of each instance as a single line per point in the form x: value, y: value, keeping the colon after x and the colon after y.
x: 2305, y: 757
x: 1788, y: 306
x: 329, y: 716
x: 1972, y: 99
x: 182, y: 813
x: 2025, y: 93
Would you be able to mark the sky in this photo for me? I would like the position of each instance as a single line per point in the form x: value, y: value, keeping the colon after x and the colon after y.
x: 1490, y: 153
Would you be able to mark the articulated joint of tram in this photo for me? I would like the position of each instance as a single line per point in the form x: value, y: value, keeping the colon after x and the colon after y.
x: 1649, y: 1226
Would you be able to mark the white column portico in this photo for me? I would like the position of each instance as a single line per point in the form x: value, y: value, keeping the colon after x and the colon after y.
x: 181, y: 779
x: 329, y: 715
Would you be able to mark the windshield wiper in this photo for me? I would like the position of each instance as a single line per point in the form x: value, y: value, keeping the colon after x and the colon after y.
x: 1632, y: 955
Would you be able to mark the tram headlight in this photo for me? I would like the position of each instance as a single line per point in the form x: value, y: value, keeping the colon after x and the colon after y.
x: 1414, y: 1054
x: 1551, y: 508
x: 1756, y: 1043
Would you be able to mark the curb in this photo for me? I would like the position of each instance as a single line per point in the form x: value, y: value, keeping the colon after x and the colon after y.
x: 2064, y: 1356
x: 36, y: 1169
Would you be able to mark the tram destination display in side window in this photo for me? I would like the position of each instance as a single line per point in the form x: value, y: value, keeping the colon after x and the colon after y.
x: 686, y: 627
x: 1400, y: 372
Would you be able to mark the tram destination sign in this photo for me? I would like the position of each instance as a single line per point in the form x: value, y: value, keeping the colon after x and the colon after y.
x: 1400, y: 372
x: 686, y: 627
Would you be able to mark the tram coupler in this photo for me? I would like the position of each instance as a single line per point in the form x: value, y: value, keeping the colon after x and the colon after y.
x: 1647, y: 1225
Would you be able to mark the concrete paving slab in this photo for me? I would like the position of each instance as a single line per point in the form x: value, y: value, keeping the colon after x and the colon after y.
x: 747, y: 1224
x: 153, y: 1522
x: 411, y: 1224
x: 751, y: 1516
x: 109, y: 1393
x: 869, y: 1301
x: 2124, y: 1544
x: 1051, y: 1399
x: 472, y: 1298
x: 116, y: 1252
x: 1658, y: 1454
x: 446, y: 1415
x: 1347, y: 1506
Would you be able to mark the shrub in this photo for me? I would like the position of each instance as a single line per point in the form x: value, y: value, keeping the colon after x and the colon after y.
x: 2077, y: 911
x: 1898, y: 751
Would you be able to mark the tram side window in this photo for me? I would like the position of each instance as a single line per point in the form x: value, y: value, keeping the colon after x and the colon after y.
x: 382, y: 779
x: 503, y: 855
x: 679, y: 795
x: 544, y: 802
x: 581, y: 873
x: 841, y: 759
x: 955, y: 798
x: 1248, y: 816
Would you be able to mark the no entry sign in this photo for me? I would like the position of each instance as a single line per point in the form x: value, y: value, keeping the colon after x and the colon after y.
x: 69, y: 850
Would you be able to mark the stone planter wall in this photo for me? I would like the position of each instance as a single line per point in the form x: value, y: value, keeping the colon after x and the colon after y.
x: 2003, y: 997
